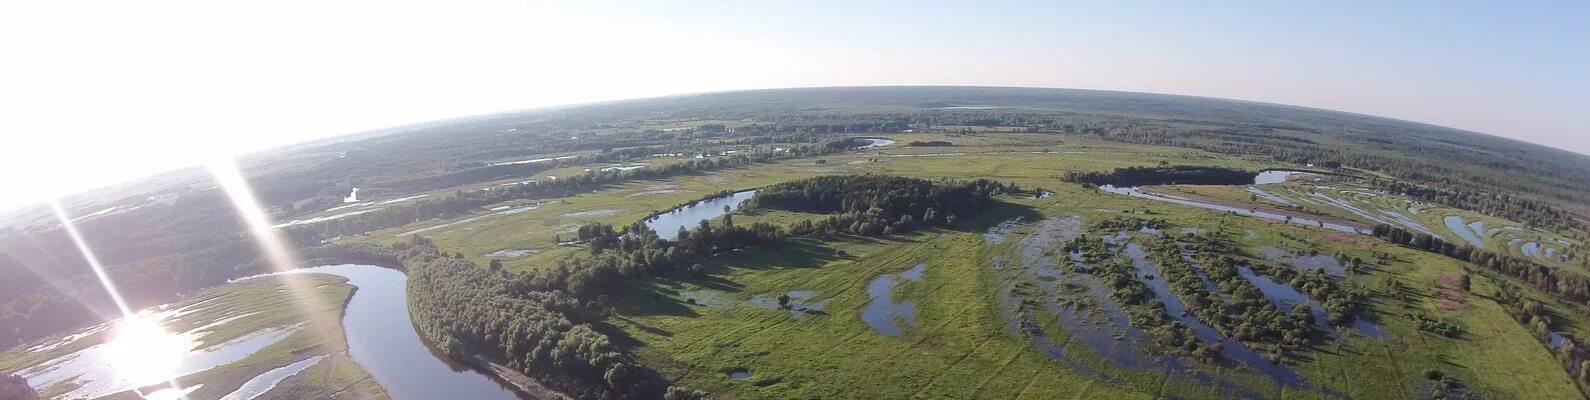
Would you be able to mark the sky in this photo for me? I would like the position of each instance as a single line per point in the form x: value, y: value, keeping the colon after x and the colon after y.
x: 95, y: 92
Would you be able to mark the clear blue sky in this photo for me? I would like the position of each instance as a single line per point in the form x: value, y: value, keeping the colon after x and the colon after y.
x: 150, y: 86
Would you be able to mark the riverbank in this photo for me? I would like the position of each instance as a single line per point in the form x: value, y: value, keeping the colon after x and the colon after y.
x: 521, y: 383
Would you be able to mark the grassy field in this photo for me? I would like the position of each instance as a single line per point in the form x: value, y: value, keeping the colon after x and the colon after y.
x: 960, y: 345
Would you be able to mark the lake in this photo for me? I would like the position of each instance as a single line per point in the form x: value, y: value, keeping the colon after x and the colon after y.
x: 667, y: 224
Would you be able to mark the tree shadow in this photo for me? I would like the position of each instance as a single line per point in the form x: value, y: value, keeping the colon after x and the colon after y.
x: 997, y: 212
x: 651, y: 298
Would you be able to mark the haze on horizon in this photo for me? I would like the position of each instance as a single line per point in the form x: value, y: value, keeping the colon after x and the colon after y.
x: 100, y: 92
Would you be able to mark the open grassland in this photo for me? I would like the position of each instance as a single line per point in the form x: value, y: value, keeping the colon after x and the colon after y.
x: 961, y: 344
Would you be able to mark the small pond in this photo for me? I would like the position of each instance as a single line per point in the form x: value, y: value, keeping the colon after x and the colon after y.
x: 1455, y: 224
x: 1272, y: 176
x: 881, y: 312
x: 874, y: 143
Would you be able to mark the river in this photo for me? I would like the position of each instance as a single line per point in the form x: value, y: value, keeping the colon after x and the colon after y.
x: 381, y: 338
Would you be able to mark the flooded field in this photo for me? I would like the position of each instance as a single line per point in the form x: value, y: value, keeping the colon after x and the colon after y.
x: 883, y: 313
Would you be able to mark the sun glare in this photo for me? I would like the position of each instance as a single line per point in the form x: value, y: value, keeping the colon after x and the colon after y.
x: 143, y: 353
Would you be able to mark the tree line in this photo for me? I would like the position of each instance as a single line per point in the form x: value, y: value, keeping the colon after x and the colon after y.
x: 1161, y: 175
x: 1571, y: 286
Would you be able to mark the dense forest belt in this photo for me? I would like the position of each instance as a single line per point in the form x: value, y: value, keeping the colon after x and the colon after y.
x: 1164, y: 175
x: 418, y: 162
x: 892, y: 197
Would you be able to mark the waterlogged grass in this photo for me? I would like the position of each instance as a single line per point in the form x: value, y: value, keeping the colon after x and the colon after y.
x: 960, y: 347
x: 956, y: 349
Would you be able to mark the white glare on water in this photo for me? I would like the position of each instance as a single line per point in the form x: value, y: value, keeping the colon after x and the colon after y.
x: 143, y: 353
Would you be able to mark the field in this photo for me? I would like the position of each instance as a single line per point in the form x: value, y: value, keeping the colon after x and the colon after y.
x: 1071, y: 292
x: 960, y: 345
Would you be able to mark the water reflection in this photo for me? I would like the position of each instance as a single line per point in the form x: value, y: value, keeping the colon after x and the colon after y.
x: 268, y: 380
x: 141, y: 352
x: 881, y: 312
x: 1284, y: 296
x: 381, y: 338
x: 1455, y: 224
